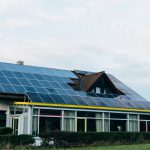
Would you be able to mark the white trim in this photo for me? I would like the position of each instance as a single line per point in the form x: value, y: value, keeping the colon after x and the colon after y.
x: 146, y: 126
x: 138, y: 123
x: 62, y: 120
x: 30, y: 115
x: 76, y: 121
x: 103, y: 122
x: 92, y: 110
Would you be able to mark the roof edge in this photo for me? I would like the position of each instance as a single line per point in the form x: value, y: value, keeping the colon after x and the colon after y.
x: 82, y: 107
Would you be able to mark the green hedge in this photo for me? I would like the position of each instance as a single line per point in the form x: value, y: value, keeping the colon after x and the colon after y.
x: 5, y: 130
x: 16, y: 140
x: 78, y: 139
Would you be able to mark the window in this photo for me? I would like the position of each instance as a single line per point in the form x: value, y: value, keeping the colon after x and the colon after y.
x: 69, y: 121
x: 133, y: 123
x: 98, y: 90
x: 99, y: 122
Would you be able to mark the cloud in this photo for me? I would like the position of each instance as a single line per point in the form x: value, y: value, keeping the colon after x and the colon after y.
x: 7, y: 5
x: 18, y: 22
x: 111, y: 35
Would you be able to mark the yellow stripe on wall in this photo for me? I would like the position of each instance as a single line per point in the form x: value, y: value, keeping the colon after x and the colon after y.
x: 81, y: 107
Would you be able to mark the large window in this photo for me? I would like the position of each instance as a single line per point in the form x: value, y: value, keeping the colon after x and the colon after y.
x: 69, y: 121
x: 45, y: 120
x: 118, y: 122
x: 48, y: 124
x: 99, y: 122
x: 133, y: 123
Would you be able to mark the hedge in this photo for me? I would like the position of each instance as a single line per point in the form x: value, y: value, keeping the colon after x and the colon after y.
x: 78, y: 139
x: 16, y: 140
x: 5, y: 130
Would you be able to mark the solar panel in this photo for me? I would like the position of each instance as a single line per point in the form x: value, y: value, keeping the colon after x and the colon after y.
x: 28, y: 82
x: 4, y: 80
x: 51, y: 86
x: 41, y: 90
x: 69, y: 99
x: 8, y: 88
x: 125, y: 89
x: 14, y: 81
x: 1, y: 89
x: 29, y: 76
x: 34, y: 97
x: 19, y: 89
x: 36, y: 70
x: 47, y: 98
x: 58, y: 99
x: 79, y: 100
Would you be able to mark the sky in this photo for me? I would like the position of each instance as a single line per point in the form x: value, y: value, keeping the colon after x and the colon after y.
x: 93, y: 35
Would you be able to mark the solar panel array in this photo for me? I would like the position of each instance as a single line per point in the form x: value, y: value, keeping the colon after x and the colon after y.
x: 131, y: 95
x: 51, y: 86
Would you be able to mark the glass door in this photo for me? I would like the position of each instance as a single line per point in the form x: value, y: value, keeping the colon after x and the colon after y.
x: 81, y: 125
x: 148, y: 126
x: 15, y: 125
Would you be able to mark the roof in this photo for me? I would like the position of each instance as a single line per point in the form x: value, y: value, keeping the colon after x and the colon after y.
x: 89, y: 80
x: 52, y: 86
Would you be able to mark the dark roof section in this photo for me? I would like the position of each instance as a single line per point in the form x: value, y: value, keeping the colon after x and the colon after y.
x: 89, y: 80
x: 81, y: 72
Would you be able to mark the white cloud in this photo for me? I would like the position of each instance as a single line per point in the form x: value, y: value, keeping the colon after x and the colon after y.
x: 18, y: 22
x: 111, y: 35
x: 7, y: 5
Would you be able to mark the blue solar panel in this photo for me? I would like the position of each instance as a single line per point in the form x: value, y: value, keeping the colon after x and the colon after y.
x: 62, y: 92
x: 35, y: 83
x: 8, y: 88
x: 1, y: 74
x: 4, y: 80
x: 47, y: 98
x: 89, y: 101
x: 34, y: 97
x: 52, y: 91
x: 8, y: 73
x: 131, y: 95
x: 51, y: 86
x: 30, y: 89
x: 1, y: 89
x: 14, y: 81
x: 41, y: 90
x: 39, y: 77
x: 72, y: 92
x: 18, y: 75
x: 48, y: 78
x: 69, y: 99
x: 25, y: 82
x: 19, y: 89
x: 29, y: 76
x: 58, y: 99
x: 36, y: 70
x: 79, y: 100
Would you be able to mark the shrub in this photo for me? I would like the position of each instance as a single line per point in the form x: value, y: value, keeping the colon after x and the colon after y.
x: 5, y: 131
x: 79, y: 139
x: 16, y: 140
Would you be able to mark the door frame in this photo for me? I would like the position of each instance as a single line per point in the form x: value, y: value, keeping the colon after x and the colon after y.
x: 15, y: 130
x: 85, y: 123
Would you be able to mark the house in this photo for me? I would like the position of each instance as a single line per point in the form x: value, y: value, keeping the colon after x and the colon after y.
x: 36, y: 99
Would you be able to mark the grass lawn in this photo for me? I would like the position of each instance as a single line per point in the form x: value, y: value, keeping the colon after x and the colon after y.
x: 123, y: 147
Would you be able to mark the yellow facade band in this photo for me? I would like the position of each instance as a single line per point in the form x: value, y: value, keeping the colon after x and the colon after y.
x: 81, y: 107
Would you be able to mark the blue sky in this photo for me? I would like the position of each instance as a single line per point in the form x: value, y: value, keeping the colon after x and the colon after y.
x: 95, y: 35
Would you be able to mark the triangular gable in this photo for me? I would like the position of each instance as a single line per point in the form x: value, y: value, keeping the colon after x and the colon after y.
x: 89, y: 81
